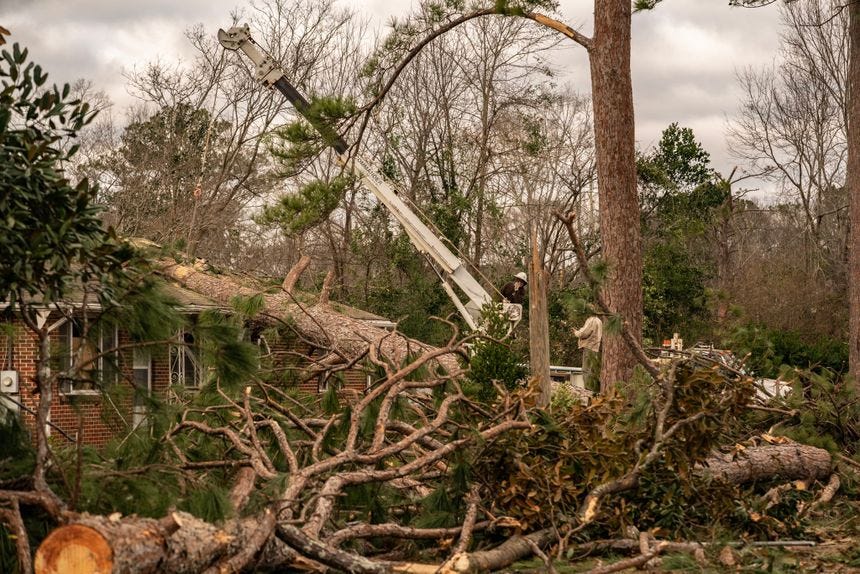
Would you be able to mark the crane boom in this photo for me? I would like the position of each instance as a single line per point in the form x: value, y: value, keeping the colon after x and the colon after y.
x: 451, y: 267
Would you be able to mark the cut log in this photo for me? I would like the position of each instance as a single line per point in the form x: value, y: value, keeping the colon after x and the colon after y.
x: 74, y: 549
x: 320, y: 324
x: 102, y: 545
x: 179, y: 544
x: 782, y: 461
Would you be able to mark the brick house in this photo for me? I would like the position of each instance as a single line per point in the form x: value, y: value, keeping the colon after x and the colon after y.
x: 81, y: 411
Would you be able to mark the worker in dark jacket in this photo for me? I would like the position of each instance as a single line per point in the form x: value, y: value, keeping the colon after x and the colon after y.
x: 515, y: 291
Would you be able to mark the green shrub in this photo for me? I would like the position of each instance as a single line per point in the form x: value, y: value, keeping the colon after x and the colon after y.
x: 494, y: 362
x: 771, y: 349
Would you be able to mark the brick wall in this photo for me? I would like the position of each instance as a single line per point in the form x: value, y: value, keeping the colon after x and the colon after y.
x: 89, y: 418
x: 95, y: 420
x: 289, y: 363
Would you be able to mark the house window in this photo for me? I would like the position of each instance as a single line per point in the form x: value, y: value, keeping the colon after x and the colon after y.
x: 92, y: 351
x: 142, y: 379
x: 185, y: 366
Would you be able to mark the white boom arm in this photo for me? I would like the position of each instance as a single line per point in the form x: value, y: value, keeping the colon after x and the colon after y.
x: 452, y: 268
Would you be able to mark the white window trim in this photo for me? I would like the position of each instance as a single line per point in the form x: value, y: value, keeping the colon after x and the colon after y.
x: 141, y: 360
x: 177, y: 359
x: 67, y: 386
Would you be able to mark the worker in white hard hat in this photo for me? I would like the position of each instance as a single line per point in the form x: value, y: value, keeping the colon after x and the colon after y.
x: 515, y: 291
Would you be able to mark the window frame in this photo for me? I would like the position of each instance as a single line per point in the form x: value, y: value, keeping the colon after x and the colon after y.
x: 141, y: 361
x: 179, y: 358
x: 69, y: 351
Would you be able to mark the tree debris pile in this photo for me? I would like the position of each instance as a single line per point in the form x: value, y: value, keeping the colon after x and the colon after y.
x: 420, y: 471
x: 541, y: 476
x: 277, y: 475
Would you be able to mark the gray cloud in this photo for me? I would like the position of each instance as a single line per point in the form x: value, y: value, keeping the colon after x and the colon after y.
x: 685, y: 57
x: 685, y: 53
x: 98, y: 39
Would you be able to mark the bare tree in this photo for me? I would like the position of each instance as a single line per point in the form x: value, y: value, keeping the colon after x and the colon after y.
x: 193, y: 162
x: 531, y: 191
x: 850, y: 12
x: 792, y: 127
x: 440, y: 126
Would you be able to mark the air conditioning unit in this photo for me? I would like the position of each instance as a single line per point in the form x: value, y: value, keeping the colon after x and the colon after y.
x: 8, y: 382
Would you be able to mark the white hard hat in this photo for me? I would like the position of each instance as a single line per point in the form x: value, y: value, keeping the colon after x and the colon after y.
x: 522, y: 277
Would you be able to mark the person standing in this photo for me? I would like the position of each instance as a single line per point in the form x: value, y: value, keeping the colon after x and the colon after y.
x: 590, y: 337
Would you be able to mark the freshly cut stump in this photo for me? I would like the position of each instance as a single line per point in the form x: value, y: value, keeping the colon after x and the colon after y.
x: 76, y: 549
x: 176, y: 544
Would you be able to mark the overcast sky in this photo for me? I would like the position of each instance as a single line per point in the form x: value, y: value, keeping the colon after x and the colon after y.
x: 685, y: 53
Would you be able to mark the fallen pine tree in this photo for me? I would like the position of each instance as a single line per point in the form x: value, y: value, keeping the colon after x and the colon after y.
x: 511, y: 480
x: 403, y: 453
x: 182, y: 543
x: 346, y: 339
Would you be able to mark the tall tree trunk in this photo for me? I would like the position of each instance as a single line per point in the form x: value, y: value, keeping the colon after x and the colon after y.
x: 852, y: 182
x: 479, y: 225
x: 724, y: 254
x: 612, y: 95
x: 538, y: 323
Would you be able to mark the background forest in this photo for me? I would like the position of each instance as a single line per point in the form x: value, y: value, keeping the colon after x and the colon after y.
x: 204, y: 162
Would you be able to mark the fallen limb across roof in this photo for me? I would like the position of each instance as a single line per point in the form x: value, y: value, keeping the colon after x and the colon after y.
x: 347, y: 337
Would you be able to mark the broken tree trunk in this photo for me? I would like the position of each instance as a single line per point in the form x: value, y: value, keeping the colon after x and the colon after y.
x: 345, y: 336
x: 539, y: 324
x: 293, y: 276
x: 325, y: 292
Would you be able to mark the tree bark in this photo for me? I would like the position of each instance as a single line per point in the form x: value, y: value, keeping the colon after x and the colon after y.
x: 852, y: 183
x: 242, y: 488
x: 17, y: 530
x: 505, y: 554
x: 538, y: 324
x: 177, y: 544
x: 329, y: 555
x: 784, y: 461
x: 612, y: 97
x: 295, y: 272
x: 322, y: 325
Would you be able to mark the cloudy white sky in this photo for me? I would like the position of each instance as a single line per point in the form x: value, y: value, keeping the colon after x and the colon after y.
x: 685, y: 53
